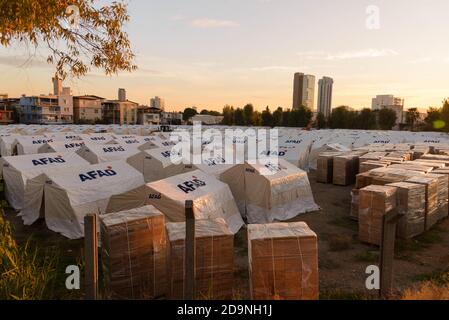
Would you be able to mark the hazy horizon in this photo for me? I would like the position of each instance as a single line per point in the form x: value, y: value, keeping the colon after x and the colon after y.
x: 207, y: 53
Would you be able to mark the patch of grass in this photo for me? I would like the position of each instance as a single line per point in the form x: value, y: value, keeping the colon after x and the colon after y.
x: 25, y: 273
x: 339, y: 242
x: 367, y: 256
x: 419, y: 243
x: 338, y: 294
x: 345, y: 222
x: 427, y: 291
x: 329, y: 264
x: 30, y: 272
x: 439, y: 278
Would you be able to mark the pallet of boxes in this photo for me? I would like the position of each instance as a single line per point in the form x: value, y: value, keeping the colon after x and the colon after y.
x: 420, y: 195
x: 283, y: 261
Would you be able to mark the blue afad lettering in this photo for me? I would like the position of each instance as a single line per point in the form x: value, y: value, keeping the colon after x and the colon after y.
x: 191, y: 185
x: 42, y: 141
x: 114, y: 149
x: 93, y: 175
x: 273, y: 153
x: 294, y: 141
x: 74, y: 145
x: 45, y: 161
x: 131, y: 141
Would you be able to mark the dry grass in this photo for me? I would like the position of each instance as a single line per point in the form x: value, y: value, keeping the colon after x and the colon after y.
x: 25, y: 273
x: 427, y: 291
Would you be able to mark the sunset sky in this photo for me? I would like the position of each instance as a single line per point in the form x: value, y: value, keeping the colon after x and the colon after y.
x: 208, y: 53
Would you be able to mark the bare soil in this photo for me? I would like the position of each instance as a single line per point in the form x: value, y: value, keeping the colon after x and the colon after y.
x: 342, y: 257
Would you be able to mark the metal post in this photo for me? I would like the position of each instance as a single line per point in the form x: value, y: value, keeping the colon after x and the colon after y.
x: 387, y: 252
x: 91, y: 256
x: 189, y: 259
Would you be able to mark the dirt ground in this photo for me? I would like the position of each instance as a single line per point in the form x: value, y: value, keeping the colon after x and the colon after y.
x: 342, y: 258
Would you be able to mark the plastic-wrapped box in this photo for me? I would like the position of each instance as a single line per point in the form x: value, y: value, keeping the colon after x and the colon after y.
x: 134, y: 253
x: 442, y: 193
x: 431, y: 184
x: 370, y: 165
x: 345, y: 169
x: 375, y: 202
x: 411, y: 202
x: 214, y: 259
x: 325, y: 163
x: 383, y: 176
x: 283, y: 261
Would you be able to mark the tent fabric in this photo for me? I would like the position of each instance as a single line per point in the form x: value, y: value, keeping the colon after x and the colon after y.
x: 211, y: 198
x: 158, y: 164
x: 98, y: 153
x: 102, y: 188
x: 18, y: 170
x: 276, y: 192
x: 231, y: 174
x: 61, y: 146
x: 30, y: 144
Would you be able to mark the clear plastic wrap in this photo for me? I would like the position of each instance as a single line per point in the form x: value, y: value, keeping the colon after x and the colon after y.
x: 134, y: 253
x: 283, y: 261
x: 375, y: 202
x: 214, y: 253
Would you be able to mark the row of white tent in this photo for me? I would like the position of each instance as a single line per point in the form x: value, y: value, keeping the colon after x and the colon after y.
x: 298, y: 147
x: 63, y: 188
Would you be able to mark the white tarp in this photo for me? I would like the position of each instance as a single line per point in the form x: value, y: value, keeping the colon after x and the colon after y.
x: 30, y: 144
x: 97, y: 153
x: 158, y: 164
x: 61, y: 146
x: 276, y: 192
x: 102, y: 188
x: 211, y: 198
x: 19, y: 169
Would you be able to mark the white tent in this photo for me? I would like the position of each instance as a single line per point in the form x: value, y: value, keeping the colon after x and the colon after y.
x: 211, y: 198
x: 61, y: 146
x: 231, y: 174
x: 158, y: 164
x: 97, y: 153
x: 19, y: 169
x: 30, y: 144
x: 102, y: 188
x: 7, y: 144
x: 276, y: 192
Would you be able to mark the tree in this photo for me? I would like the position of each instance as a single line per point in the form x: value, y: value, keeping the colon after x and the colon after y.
x: 433, y: 120
x: 78, y: 34
x: 286, y: 118
x: 248, y: 114
x: 239, y: 117
x: 342, y: 118
x: 444, y: 115
x: 366, y: 120
x: 228, y: 115
x: 386, y: 119
x: 411, y: 117
x: 277, y: 117
x: 257, y: 118
x: 188, y: 113
x: 267, y: 118
x: 320, y: 122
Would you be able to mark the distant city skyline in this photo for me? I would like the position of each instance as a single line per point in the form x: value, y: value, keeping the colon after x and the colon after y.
x: 212, y: 53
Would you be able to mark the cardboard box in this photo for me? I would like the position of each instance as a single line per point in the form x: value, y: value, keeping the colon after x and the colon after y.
x: 411, y: 202
x: 134, y: 253
x: 431, y: 184
x: 283, y: 261
x: 345, y: 169
x: 214, y: 257
x: 325, y: 164
x: 375, y: 202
